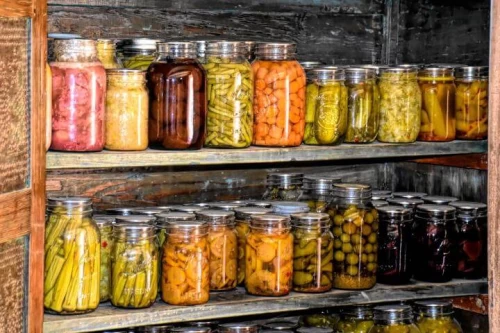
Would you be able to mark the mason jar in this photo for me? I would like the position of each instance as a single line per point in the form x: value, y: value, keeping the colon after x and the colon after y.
x: 105, y: 226
x: 357, y: 319
x: 324, y: 318
x: 138, y: 53
x: 164, y: 219
x: 436, y: 316
x: 106, y: 52
x: 317, y: 192
x: 283, y: 186
x: 393, y: 318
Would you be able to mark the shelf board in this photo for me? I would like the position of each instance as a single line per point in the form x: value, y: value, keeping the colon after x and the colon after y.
x: 237, y: 303
x: 150, y: 158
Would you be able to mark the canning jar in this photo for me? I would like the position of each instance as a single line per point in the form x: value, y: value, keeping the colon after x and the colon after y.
x: 436, y: 316
x: 135, y: 219
x: 185, y: 264
x: 229, y: 95
x: 393, y: 319
x: 223, y: 246
x: 409, y: 195
x: 394, y: 245
x: 106, y: 52
x: 471, y: 103
x: 363, y: 106
x: 238, y: 328
x: 355, y: 232
x: 243, y: 218
x: 176, y: 83
x: 269, y: 256
x: 317, y: 192
x: 78, y: 96
x: 126, y: 110
x: 139, y: 53
x: 72, y: 257
x: 134, y: 266
x: 312, y: 252
x: 279, y: 101
x: 164, y: 219
x: 438, y: 199
x: 400, y: 105
x: 326, y: 106
x: 434, y: 238
x: 323, y: 318
x: 283, y: 186
x: 105, y: 226
x: 358, y: 319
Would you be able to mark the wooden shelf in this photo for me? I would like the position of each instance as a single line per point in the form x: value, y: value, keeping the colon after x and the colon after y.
x: 238, y: 303
x: 252, y: 155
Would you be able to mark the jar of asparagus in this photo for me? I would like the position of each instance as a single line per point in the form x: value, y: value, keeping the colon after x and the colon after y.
x: 134, y: 266
x: 138, y: 53
x: 105, y: 226
x: 72, y: 257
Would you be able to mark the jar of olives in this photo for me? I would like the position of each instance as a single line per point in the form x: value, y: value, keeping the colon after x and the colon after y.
x: 394, y: 252
x: 357, y: 319
x: 269, y: 256
x: 312, y: 252
x: 283, y: 186
x: 317, y: 192
x: 355, y: 232
x: 164, y: 219
x: 238, y: 328
x: 287, y: 208
x: 435, y: 235
x: 438, y: 199
x: 393, y: 319
x: 436, y: 316
x: 105, y: 226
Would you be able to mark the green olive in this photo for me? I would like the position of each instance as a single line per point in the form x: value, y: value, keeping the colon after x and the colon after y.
x: 371, y: 258
x: 347, y: 248
x: 337, y: 231
x: 374, y: 213
x: 339, y: 256
x: 368, y: 248
x: 349, y: 228
x: 352, y: 270
x: 356, y: 239
x: 369, y: 218
x: 338, y: 220
x: 364, y: 258
x: 366, y: 230
x: 372, y: 238
x: 375, y: 226
x: 345, y: 238
x: 372, y: 267
x: 337, y: 244
x: 352, y: 259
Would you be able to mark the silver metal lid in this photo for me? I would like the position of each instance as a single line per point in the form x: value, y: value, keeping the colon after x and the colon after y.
x: 409, y: 195
x: 262, y: 204
x: 364, y: 312
x: 436, y: 72
x: 320, y: 183
x: 281, y: 326
x: 246, y: 213
x: 363, y: 73
x: 216, y: 217
x: 177, y: 49
x: 381, y: 192
x: 284, y: 179
x: 187, y: 227
x: 275, y: 51
x: 378, y: 203
x: 120, y: 211
x: 327, y: 73
x: 225, y: 48
x: 314, y: 330
x: 408, y: 203
x: 201, y: 46
x: 135, y: 219
x: 238, y: 328
x: 80, y: 204
x: 376, y: 67
x: 133, y: 231
x: 140, y: 43
x: 395, y: 213
x: 198, y: 204
x: 310, y: 220
x: 103, y: 221
x: 226, y: 205
x: 187, y: 208
x: 191, y: 329
x: 154, y: 329
x: 418, y: 66
x: 470, y: 72
x: 307, y: 65
x: 434, y: 308
x: 447, y: 65
x: 381, y: 196
x: 165, y: 218
x: 470, y: 208
x: 399, y: 70
x: 438, y: 200
x: 392, y: 313
x: 149, y: 211
x: 289, y: 207
x: 270, y: 221
x: 352, y: 191
x: 206, y: 323
x: 436, y: 211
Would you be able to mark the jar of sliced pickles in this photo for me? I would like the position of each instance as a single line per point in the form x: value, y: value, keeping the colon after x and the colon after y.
x: 283, y: 186
x: 363, y: 106
x: 312, y: 252
x: 72, y: 257
x: 185, y: 264
x: 105, y: 225
x: 138, y: 53
x: 434, y: 238
x: 471, y: 103
x: 134, y: 266
x: 106, y: 52
x: 355, y: 232
x: 400, y: 105
x: 317, y: 191
x: 269, y: 256
x: 243, y: 218
x: 223, y: 245
x: 436, y: 316
x: 357, y: 319
x: 438, y: 104
x: 164, y: 219
x: 326, y: 106
x: 229, y: 95
x: 238, y: 328
x: 393, y: 319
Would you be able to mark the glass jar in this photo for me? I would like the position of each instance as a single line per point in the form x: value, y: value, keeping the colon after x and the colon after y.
x: 394, y: 250
x: 317, y: 192
x: 164, y: 219
x: 134, y: 266
x: 229, y: 95
x: 279, y: 101
x: 400, y: 105
x: 326, y: 107
x: 438, y: 199
x: 238, y: 328
x: 357, y: 319
x: 471, y: 103
x: 434, y: 238
x: 363, y: 106
x: 106, y: 52
x: 72, y: 257
x: 139, y: 53
x: 105, y: 226
x: 126, y: 110
x: 409, y: 195
x: 436, y: 316
x: 323, y: 318
x: 283, y: 186
x: 243, y: 218
x: 78, y: 96
x: 269, y: 256
x: 176, y: 83
x: 201, y: 48
x: 355, y: 233
x: 223, y: 245
x: 393, y: 319
x: 312, y: 252
x: 48, y: 107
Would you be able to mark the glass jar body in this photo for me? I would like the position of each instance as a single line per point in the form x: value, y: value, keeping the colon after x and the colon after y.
x: 106, y: 247
x: 283, y: 192
x: 138, y: 59
x: 223, y: 261
x: 317, y: 200
x: 471, y: 249
x: 348, y: 324
x: 106, y: 52
x: 438, y: 324
x: 242, y: 231
x: 394, y: 328
x: 322, y: 319
x: 471, y: 105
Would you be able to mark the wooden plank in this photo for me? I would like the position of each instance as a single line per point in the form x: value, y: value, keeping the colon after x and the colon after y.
x: 15, y: 214
x: 469, y: 161
x: 109, y: 159
x: 237, y: 303
x: 18, y: 8
x: 477, y: 304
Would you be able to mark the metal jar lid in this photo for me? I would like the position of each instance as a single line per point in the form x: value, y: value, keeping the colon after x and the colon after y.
x: 470, y: 208
x: 284, y: 179
x: 123, y: 211
x: 320, y: 183
x: 314, y: 330
x: 363, y: 312
x: 289, y: 207
x: 140, y: 44
x: 352, y: 191
x: 270, y: 221
x: 261, y: 204
x: 198, y: 204
x: 177, y: 49
x: 409, y: 195
x: 405, y: 202
x: 310, y: 220
x: 135, y: 219
x: 327, y: 73
x: 226, y: 205
x: 154, y: 329
x: 434, y: 308
x: 417, y: 66
x: 103, y: 221
x: 170, y: 217
x: 381, y: 196
x: 395, y: 213
x: 438, y: 199
x: 201, y: 47
x: 281, y: 326
x: 356, y: 74
x: 378, y: 203
x: 399, y: 70
x: 275, y: 51
x: 187, y: 208
x: 199, y: 228
x: 207, y: 323
x: 381, y: 192
x: 392, y: 313
x: 436, y: 212
x: 238, y: 328
x: 307, y: 65
x: 376, y: 67
x: 246, y: 213
x: 149, y: 211
x: 472, y: 72
x: 191, y: 329
x: 216, y: 217
x: 436, y: 72
x: 133, y: 231
x: 225, y: 48
x: 78, y: 205
x: 269, y: 330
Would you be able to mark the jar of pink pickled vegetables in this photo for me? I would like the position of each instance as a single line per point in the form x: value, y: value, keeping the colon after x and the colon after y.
x: 78, y: 96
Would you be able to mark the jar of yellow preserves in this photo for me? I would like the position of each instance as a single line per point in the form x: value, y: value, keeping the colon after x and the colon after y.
x: 106, y: 52
x: 164, y: 219
x: 105, y: 225
x: 72, y: 257
x: 269, y: 256
x: 185, y: 270
x: 358, y: 319
x: 393, y: 319
x: 436, y: 317
x: 134, y: 266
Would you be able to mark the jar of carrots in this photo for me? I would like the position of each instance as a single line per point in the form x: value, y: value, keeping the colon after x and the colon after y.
x: 279, y: 97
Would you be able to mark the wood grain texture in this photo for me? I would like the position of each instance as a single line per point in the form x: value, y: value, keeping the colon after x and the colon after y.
x: 469, y: 161
x: 477, y: 304
x: 15, y: 214
x: 16, y: 8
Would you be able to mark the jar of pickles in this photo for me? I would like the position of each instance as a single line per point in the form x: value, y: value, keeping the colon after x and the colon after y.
x: 317, y: 192
x: 357, y: 319
x: 312, y: 252
x: 243, y: 218
x: 138, y: 53
x: 134, y: 266
x: 126, y: 110
x: 434, y: 238
x: 176, y: 83
x: 363, y: 106
x: 106, y: 52
x: 185, y: 264
x: 229, y: 95
x: 280, y: 93
x: 438, y: 199
x: 436, y: 316
x: 105, y: 226
x: 438, y: 104
x: 394, y: 239
x: 393, y: 319
x: 78, y: 96
x: 223, y: 246
x: 269, y: 256
x: 164, y: 219
x: 72, y: 257
x: 283, y: 186
x: 471, y: 103
x: 400, y: 105
x: 355, y: 232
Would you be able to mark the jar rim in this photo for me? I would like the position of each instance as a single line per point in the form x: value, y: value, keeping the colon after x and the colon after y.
x: 470, y: 207
x: 409, y: 195
x: 270, y: 221
x: 191, y: 226
x: 352, y: 191
x: 248, y: 212
x: 217, y: 217
x: 392, y: 313
x: 438, y: 199
x: 399, y: 212
x: 306, y: 220
x: 133, y: 231
x: 225, y: 206
x: 413, y: 202
x: 187, y: 208
x: 120, y: 211
x: 433, y: 308
x: 135, y: 219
